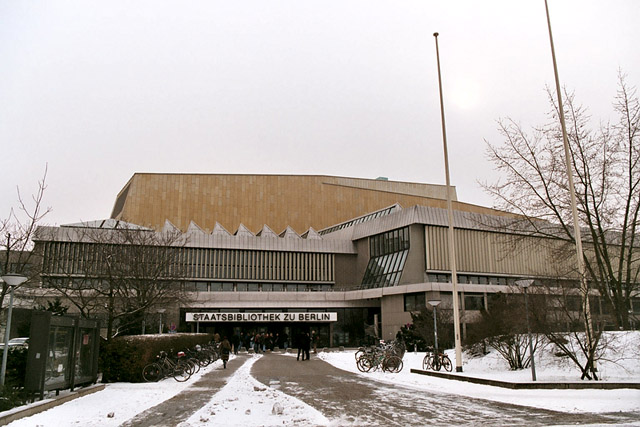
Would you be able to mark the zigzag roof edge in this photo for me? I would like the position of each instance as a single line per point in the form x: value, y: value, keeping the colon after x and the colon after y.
x: 195, y: 229
x: 266, y: 232
x: 219, y: 230
x: 170, y: 227
x: 311, y: 234
x: 243, y: 231
x: 289, y: 233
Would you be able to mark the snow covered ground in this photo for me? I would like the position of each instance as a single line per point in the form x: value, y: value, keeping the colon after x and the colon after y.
x: 246, y: 402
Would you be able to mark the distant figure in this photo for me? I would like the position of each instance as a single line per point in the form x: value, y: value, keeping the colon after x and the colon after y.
x: 297, y: 342
x: 225, y: 349
x: 306, y: 346
x: 314, y: 341
x: 235, y: 341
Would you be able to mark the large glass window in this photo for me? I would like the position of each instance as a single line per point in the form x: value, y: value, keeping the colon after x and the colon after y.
x: 388, y: 254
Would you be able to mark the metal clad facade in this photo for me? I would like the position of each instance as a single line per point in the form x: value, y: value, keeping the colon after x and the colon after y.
x: 494, y: 253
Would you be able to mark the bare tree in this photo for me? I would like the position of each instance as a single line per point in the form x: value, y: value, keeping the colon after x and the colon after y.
x: 606, y: 162
x: 121, y: 273
x: 503, y: 328
x: 556, y: 312
x: 16, y: 236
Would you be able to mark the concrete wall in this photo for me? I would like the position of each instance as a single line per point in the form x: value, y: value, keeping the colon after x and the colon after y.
x: 393, y: 315
x: 414, y: 268
x: 345, y: 273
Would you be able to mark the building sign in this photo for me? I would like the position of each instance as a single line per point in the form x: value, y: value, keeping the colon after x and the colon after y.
x: 262, y: 317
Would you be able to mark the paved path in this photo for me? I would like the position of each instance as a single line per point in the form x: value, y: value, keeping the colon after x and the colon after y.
x: 180, y: 407
x: 356, y: 400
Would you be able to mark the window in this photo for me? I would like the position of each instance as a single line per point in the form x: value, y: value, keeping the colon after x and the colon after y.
x: 473, y: 301
x: 414, y: 302
x: 388, y: 254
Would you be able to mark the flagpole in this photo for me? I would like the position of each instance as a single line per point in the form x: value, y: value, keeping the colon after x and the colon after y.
x: 452, y: 247
x: 584, y: 287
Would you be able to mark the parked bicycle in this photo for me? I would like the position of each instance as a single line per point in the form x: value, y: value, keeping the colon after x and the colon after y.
x: 435, y: 362
x: 165, y: 366
x: 383, y: 357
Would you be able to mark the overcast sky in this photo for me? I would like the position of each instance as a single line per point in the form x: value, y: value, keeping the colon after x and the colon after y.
x: 101, y: 90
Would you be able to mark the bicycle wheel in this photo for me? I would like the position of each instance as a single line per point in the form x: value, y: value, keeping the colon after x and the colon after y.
x: 446, y: 363
x: 392, y: 364
x: 436, y: 363
x: 427, y: 362
x: 398, y: 366
x: 181, y: 372
x: 195, y: 363
x: 152, y: 372
x: 361, y: 364
x: 203, y: 359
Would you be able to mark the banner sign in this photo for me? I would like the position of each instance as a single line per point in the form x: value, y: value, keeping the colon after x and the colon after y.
x: 262, y: 317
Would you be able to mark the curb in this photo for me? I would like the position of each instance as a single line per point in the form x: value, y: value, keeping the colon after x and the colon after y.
x: 41, y: 406
x: 583, y: 385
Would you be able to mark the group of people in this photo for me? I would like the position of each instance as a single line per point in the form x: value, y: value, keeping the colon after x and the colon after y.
x: 261, y: 342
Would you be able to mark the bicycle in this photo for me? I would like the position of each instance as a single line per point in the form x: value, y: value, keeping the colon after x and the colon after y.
x: 382, y: 357
x: 430, y: 361
x: 179, y: 369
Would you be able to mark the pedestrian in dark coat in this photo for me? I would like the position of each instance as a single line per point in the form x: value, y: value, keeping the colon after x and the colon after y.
x: 235, y: 341
x: 225, y: 349
x: 297, y: 342
x: 306, y: 346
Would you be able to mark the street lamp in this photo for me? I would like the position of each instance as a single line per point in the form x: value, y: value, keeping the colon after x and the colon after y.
x: 160, y: 311
x: 434, y: 303
x: 524, y: 284
x: 12, y: 280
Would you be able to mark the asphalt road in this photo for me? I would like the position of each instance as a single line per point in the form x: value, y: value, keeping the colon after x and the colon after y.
x: 355, y: 400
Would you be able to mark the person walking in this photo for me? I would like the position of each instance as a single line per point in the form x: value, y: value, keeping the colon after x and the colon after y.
x: 297, y: 342
x: 235, y: 341
x: 225, y: 349
x: 306, y: 346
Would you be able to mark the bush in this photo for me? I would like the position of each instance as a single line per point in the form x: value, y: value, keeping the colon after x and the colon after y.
x: 13, y: 393
x: 123, y: 358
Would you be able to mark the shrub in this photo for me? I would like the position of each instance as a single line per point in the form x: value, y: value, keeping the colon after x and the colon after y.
x: 13, y: 393
x: 123, y: 358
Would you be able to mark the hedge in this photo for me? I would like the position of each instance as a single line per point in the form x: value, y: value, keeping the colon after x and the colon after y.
x: 122, y: 359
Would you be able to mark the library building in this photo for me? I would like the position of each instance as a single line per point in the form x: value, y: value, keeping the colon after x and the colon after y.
x: 347, y: 258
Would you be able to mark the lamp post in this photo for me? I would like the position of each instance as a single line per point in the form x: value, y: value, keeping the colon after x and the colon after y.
x: 524, y: 284
x: 434, y: 303
x: 12, y: 280
x: 160, y: 311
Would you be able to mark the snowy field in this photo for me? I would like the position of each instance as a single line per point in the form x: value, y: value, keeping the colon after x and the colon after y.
x: 246, y: 402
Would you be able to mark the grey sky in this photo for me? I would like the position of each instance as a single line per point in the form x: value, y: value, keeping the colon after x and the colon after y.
x: 101, y: 90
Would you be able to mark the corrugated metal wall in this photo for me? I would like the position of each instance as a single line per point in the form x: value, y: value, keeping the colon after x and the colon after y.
x: 496, y: 253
